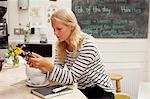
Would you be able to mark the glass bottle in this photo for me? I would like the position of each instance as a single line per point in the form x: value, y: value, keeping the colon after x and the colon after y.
x: 26, y: 37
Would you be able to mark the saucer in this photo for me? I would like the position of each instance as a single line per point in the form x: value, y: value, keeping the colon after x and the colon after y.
x: 37, y: 85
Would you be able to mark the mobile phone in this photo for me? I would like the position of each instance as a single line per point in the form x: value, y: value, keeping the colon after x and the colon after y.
x: 26, y: 54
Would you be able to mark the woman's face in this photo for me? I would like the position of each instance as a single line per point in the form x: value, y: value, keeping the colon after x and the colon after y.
x: 61, y: 31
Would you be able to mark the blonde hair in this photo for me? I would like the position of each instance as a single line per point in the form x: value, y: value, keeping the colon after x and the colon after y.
x: 67, y: 17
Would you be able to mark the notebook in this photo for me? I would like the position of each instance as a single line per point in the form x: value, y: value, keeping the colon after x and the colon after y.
x: 51, y: 91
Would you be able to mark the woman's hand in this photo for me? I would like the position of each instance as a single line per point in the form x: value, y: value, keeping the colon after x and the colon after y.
x: 37, y: 61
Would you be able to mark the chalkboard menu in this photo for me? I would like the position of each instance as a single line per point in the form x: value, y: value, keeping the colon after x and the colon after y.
x: 113, y: 18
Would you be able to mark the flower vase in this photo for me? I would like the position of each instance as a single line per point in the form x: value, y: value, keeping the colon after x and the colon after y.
x: 15, y: 65
x: 15, y: 61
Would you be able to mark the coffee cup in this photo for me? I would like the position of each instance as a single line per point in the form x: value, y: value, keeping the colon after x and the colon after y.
x: 38, y: 79
x: 35, y: 76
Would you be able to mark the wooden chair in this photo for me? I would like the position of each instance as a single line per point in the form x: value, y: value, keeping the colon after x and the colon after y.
x: 121, y: 96
x: 117, y: 77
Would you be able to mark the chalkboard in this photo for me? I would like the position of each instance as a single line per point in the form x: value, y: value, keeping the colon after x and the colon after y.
x: 113, y: 18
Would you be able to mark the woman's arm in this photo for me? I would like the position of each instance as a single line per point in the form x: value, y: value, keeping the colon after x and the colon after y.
x: 67, y: 76
x: 74, y: 72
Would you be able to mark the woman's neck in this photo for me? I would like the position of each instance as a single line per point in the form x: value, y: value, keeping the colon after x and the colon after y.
x: 69, y: 48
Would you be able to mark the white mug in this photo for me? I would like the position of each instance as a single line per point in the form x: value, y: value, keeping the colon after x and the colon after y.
x: 35, y: 76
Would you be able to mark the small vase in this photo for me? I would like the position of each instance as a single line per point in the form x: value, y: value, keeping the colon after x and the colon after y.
x: 15, y: 61
x: 15, y: 65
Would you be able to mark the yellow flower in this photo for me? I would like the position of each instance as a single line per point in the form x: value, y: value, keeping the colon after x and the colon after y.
x: 12, y: 54
x: 18, y: 51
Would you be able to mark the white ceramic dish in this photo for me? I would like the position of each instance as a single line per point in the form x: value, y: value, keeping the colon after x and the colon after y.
x: 37, y: 85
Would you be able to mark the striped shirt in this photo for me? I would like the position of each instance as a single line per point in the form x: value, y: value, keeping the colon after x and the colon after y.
x: 86, y: 68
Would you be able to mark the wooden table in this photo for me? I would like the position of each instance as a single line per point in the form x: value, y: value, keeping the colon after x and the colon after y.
x: 12, y: 86
x: 144, y: 90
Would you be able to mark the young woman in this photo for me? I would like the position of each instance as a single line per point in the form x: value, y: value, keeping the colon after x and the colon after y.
x: 76, y: 51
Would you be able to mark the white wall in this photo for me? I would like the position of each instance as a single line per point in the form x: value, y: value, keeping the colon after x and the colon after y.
x: 149, y: 52
x: 130, y: 57
x: 17, y: 16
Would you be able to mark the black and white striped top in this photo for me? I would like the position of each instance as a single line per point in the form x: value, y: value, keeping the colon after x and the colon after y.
x: 86, y: 68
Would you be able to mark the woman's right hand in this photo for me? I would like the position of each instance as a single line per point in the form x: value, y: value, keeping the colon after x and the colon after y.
x: 37, y: 61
